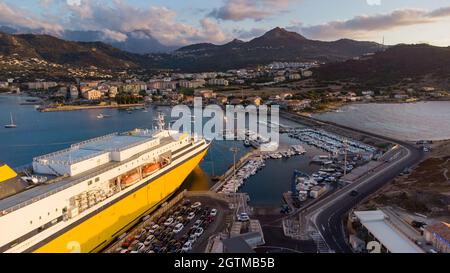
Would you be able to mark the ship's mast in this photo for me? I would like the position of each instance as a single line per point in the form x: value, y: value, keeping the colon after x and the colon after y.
x: 161, y: 123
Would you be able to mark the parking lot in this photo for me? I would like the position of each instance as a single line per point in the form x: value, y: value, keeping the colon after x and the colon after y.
x: 185, y: 227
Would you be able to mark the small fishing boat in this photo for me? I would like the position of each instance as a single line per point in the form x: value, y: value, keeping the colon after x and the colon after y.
x: 12, y: 125
x: 102, y: 116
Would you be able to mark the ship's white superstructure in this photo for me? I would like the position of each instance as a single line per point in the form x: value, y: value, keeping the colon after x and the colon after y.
x: 85, y: 179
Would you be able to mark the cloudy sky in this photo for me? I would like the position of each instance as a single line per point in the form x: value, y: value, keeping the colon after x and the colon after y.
x: 177, y: 22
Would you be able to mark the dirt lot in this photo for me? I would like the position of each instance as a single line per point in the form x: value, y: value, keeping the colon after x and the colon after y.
x: 425, y: 190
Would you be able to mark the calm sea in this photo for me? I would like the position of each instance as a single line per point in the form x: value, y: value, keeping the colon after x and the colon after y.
x: 409, y: 121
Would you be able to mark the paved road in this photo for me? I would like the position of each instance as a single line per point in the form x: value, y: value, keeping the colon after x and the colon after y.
x: 328, y: 213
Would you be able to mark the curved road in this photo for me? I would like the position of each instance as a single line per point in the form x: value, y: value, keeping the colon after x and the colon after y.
x: 328, y: 213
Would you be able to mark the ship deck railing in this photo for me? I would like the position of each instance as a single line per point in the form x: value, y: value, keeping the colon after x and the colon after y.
x: 79, y: 145
x: 69, y: 162
x: 93, y: 140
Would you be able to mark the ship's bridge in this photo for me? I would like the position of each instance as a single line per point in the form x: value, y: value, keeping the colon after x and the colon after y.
x: 94, y: 153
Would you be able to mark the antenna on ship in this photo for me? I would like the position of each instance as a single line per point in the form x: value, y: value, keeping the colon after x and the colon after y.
x: 160, y: 122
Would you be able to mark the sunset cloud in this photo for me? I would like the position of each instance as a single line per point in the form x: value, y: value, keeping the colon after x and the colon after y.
x: 237, y: 10
x: 359, y: 25
x: 14, y: 16
x: 116, y: 20
x: 218, y: 22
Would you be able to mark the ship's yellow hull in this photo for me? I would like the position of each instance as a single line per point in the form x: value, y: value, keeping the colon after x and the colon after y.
x: 99, y: 230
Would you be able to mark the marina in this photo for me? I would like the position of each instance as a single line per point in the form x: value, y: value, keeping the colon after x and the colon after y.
x: 253, y: 165
x: 343, y: 156
x: 332, y: 143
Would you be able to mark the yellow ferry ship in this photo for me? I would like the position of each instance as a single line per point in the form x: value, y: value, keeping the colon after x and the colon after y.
x: 82, y: 198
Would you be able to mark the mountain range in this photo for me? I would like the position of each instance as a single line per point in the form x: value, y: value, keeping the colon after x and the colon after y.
x: 392, y: 65
x: 275, y: 45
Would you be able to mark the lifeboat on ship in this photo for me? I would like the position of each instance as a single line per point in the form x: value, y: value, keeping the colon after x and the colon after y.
x: 130, y: 178
x: 150, y: 168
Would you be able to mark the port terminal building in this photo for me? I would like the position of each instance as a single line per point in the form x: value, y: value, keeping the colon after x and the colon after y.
x: 378, y: 228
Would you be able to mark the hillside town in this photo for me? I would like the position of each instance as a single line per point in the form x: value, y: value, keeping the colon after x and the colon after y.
x: 289, y: 84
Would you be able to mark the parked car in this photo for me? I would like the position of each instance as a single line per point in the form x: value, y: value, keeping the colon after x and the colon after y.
x: 192, y: 238
x: 197, y: 223
x: 179, y: 219
x: 199, y: 232
x: 140, y: 234
x: 127, y: 242
x: 213, y: 212
x: 169, y: 221
x: 243, y: 217
x: 178, y: 228
x: 187, y: 247
x: 153, y: 229
x: 140, y: 248
x: 196, y: 205
x: 191, y: 216
x: 149, y: 240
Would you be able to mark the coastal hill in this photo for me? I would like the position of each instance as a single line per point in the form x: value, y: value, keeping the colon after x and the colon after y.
x: 54, y: 50
x: 392, y: 65
x: 277, y: 44
x: 137, y: 41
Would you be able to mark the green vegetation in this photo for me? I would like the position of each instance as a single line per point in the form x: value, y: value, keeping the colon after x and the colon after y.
x: 186, y: 91
x: 128, y: 99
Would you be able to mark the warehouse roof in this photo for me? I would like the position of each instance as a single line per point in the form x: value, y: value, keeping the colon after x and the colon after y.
x: 377, y: 224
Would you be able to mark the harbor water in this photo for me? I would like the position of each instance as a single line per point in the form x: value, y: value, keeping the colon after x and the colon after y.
x: 407, y: 121
x: 41, y: 133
